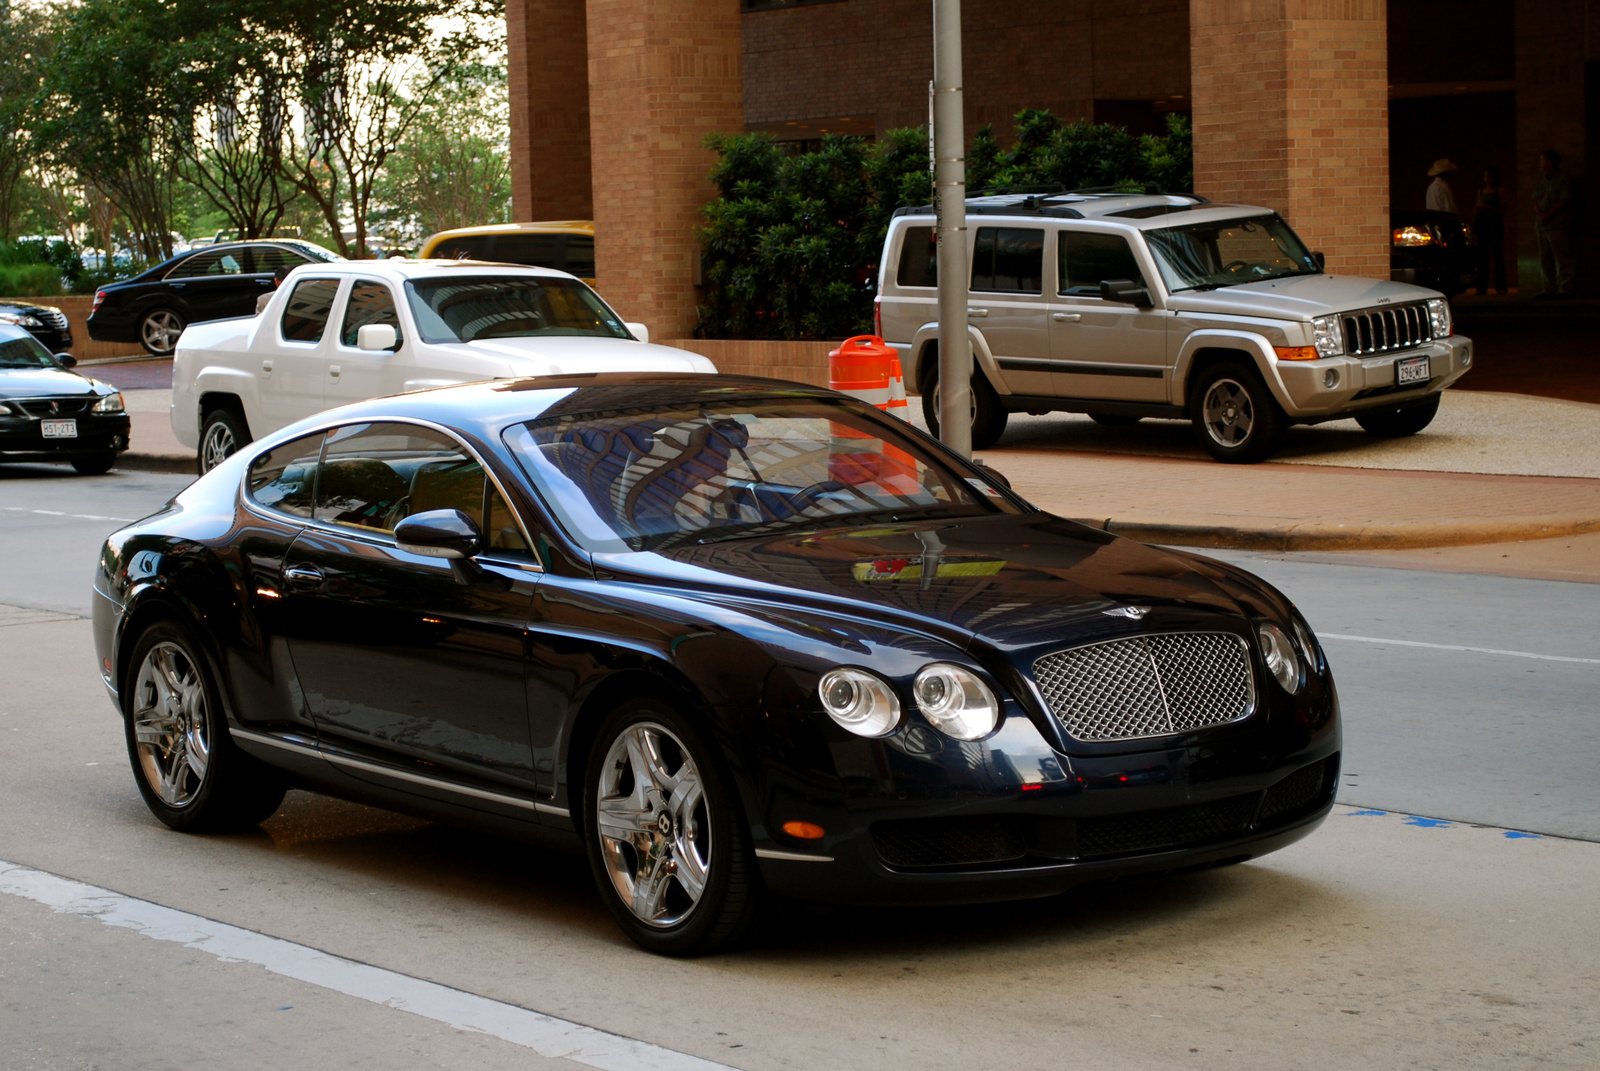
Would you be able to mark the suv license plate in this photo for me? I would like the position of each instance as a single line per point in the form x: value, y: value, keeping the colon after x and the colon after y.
x: 1409, y: 371
x: 59, y: 429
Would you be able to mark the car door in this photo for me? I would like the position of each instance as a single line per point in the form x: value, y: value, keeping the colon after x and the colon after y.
x: 1008, y: 307
x: 353, y: 373
x: 214, y: 285
x: 1103, y: 349
x: 400, y: 661
x: 293, y: 354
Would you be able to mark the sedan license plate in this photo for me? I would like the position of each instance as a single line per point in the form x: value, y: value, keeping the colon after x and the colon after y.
x: 1409, y: 371
x: 59, y: 429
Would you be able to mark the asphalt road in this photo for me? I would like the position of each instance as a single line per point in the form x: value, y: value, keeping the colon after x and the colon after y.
x: 1385, y: 940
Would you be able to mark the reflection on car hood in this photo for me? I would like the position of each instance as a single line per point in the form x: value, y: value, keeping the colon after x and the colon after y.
x: 33, y: 382
x: 569, y: 354
x: 1300, y: 297
x: 1016, y: 581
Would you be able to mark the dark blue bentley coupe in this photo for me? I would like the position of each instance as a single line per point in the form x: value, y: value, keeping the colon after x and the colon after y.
x: 724, y: 635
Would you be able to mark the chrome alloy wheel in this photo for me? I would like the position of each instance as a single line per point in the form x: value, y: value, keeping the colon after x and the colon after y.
x: 218, y: 445
x: 1229, y: 412
x: 169, y: 724
x: 160, y: 331
x: 653, y: 824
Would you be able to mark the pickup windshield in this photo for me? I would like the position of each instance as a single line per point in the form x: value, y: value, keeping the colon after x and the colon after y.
x: 461, y: 308
x: 1206, y: 256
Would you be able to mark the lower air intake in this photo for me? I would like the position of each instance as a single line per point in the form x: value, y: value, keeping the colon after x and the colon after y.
x: 947, y: 842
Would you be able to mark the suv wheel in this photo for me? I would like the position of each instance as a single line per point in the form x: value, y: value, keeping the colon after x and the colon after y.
x: 988, y: 415
x: 222, y: 433
x: 1400, y: 422
x: 1235, y: 417
x: 159, y: 330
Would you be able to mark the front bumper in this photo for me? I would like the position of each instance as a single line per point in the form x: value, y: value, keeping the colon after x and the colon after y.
x: 1333, y: 387
x: 22, y: 440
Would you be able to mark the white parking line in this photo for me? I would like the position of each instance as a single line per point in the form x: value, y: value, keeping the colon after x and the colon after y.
x: 1454, y: 647
x: 548, y: 1036
x: 74, y: 516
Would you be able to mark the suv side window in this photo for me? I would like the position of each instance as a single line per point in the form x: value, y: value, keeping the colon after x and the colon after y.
x: 370, y: 302
x: 1008, y: 260
x: 1085, y: 259
x: 284, y: 479
x: 919, y: 258
x: 306, y: 314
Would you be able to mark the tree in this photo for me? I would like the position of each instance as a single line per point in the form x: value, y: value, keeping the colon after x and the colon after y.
x: 22, y: 42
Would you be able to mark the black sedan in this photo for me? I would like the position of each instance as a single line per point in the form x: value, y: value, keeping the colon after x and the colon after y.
x: 49, y: 413
x: 724, y: 635
x: 46, y: 323
x: 212, y: 283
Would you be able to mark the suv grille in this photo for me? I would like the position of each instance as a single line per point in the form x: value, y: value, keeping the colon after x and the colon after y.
x: 1149, y: 685
x: 1373, y: 331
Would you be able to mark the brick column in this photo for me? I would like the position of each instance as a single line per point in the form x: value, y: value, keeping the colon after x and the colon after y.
x: 547, y: 60
x: 1291, y: 111
x: 662, y: 75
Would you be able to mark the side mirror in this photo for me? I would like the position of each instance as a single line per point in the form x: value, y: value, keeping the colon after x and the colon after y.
x: 377, y: 337
x: 1126, y: 291
x: 66, y: 360
x: 1321, y: 260
x: 438, y: 533
x: 640, y: 331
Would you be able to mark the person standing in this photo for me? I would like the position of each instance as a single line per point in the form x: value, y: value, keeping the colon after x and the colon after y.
x: 1489, y: 221
x: 1552, y: 203
x: 1441, y: 198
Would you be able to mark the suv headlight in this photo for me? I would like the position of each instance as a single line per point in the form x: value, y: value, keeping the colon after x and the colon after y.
x: 1328, y: 336
x: 1439, y: 315
x: 859, y: 701
x: 1279, y: 655
x: 111, y: 403
x: 956, y: 701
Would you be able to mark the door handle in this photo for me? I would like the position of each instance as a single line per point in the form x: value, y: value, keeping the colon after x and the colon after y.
x: 266, y: 368
x: 1066, y: 317
x: 177, y: 286
x: 977, y: 314
x: 265, y: 282
x: 333, y: 371
x: 303, y: 576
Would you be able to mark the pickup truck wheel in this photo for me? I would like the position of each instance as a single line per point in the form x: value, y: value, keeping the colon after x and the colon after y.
x: 988, y: 415
x: 159, y: 330
x: 222, y: 433
x: 1235, y: 417
x: 1400, y: 422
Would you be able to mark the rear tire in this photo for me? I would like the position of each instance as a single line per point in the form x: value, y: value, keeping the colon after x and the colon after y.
x: 159, y: 330
x: 98, y: 465
x: 1399, y: 422
x: 1235, y: 417
x: 189, y: 771
x: 989, y: 416
x: 222, y: 433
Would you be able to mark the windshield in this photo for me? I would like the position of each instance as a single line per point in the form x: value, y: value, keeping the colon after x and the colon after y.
x: 462, y: 308
x: 25, y: 352
x: 656, y: 478
x: 1205, y: 256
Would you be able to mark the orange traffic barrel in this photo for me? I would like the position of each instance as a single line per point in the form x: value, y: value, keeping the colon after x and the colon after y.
x: 861, y: 367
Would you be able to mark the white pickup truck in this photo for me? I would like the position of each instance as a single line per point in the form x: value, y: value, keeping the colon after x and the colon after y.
x: 346, y: 331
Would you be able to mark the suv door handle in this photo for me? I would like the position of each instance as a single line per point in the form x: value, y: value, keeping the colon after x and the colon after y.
x: 333, y: 371
x: 303, y: 576
x: 266, y: 368
x: 977, y: 314
x: 1066, y: 317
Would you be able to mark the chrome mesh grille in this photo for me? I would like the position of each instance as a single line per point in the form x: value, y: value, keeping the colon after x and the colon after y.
x: 1388, y: 330
x: 1149, y: 685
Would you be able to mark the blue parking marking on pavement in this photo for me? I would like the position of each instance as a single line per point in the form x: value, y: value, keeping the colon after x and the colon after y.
x: 1517, y: 834
x: 1360, y: 814
x: 1426, y: 823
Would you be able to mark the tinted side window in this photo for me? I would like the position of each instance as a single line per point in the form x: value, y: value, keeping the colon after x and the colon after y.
x: 919, y: 258
x: 227, y: 262
x: 1087, y: 259
x: 580, y: 256
x: 375, y: 475
x: 500, y: 530
x: 370, y: 303
x: 306, y: 314
x: 265, y: 260
x: 1009, y: 260
x: 284, y: 479
x: 467, y: 247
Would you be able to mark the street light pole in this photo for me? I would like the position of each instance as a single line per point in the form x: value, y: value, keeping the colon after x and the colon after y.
x: 950, y: 212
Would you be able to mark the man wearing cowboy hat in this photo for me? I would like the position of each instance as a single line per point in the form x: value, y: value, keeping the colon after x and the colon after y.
x: 1441, y: 198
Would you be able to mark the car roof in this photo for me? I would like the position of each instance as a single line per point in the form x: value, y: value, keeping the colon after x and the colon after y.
x: 549, y: 226
x: 1142, y: 210
x: 401, y: 268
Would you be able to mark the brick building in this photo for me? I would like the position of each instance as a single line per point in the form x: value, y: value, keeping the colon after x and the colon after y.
x: 1330, y: 111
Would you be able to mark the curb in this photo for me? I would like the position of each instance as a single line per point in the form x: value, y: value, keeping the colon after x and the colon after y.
x: 156, y: 463
x: 1341, y: 537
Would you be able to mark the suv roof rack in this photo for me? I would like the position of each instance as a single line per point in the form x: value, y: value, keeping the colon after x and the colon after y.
x: 1062, y: 204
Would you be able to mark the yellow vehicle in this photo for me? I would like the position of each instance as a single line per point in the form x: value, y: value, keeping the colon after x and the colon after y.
x: 565, y: 244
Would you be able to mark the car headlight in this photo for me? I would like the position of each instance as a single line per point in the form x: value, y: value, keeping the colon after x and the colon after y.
x: 956, y: 701
x: 111, y: 403
x: 1280, y: 657
x: 1439, y: 315
x: 860, y: 701
x: 1308, y: 644
x: 1327, y: 335
x: 20, y: 319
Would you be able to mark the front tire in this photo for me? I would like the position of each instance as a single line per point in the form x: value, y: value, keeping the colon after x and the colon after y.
x: 190, y: 773
x: 222, y: 433
x: 159, y: 330
x: 98, y: 465
x: 989, y: 416
x: 1235, y: 417
x: 1400, y: 422
x: 665, y: 835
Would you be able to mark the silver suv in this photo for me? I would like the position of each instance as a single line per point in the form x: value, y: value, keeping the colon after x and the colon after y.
x: 1128, y: 306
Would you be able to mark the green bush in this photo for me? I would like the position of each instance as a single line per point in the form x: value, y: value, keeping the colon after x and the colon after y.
x: 790, y: 245
x: 29, y: 280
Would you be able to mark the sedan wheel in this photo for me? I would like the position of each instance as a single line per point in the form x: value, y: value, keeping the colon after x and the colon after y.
x: 159, y: 331
x: 170, y: 724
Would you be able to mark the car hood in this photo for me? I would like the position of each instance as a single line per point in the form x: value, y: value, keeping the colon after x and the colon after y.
x: 34, y: 382
x: 567, y: 355
x: 1012, y: 582
x: 1300, y: 297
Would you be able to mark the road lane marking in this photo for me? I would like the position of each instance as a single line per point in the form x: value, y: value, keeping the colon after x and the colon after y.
x: 72, y: 516
x: 545, y: 1034
x: 1454, y: 647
